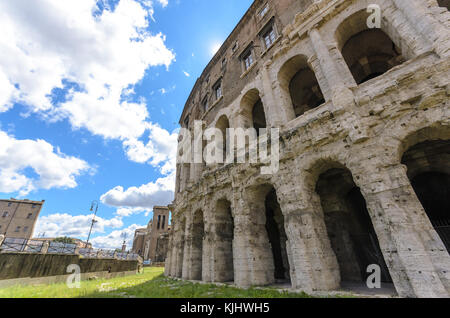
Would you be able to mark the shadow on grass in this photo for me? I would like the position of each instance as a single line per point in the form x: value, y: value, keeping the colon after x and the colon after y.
x: 164, y: 287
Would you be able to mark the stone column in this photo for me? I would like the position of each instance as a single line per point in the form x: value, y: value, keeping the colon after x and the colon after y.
x: 253, y: 265
x: 415, y: 255
x: 421, y: 19
x: 186, y: 242
x: 313, y: 263
x: 208, y: 257
x: 277, y: 112
x: 342, y: 97
x: 167, y: 261
x: 45, y: 247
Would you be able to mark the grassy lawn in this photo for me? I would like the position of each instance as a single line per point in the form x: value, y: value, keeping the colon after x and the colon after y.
x: 150, y: 284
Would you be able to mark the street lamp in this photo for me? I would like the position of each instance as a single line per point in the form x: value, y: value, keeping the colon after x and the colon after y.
x: 94, y: 204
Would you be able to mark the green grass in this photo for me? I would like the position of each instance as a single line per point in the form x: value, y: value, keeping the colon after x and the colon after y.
x: 150, y: 284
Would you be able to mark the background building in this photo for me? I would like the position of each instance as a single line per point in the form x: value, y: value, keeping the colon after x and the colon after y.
x: 152, y: 238
x: 364, y: 131
x: 18, y: 217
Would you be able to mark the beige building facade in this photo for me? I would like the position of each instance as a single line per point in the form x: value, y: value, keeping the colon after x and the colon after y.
x: 149, y: 240
x: 364, y: 177
x: 18, y: 217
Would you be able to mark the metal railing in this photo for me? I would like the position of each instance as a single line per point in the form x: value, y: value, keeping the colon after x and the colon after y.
x: 61, y: 248
x: 21, y: 245
x: 18, y: 245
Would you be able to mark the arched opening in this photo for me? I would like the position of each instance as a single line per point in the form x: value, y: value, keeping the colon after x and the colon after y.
x: 277, y: 236
x: 224, y: 228
x: 444, y: 4
x: 300, y: 86
x: 223, y: 124
x: 198, y: 233
x: 252, y: 109
x: 349, y: 226
x: 259, y: 117
x: 429, y: 172
x: 368, y: 53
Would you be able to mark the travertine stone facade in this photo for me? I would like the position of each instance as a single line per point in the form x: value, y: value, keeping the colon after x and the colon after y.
x: 365, y: 153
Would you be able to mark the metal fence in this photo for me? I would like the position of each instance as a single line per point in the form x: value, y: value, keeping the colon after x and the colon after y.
x: 21, y: 245
x: 61, y: 248
x: 17, y: 245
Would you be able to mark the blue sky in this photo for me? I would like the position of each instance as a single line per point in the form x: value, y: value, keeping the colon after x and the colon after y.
x: 90, y: 97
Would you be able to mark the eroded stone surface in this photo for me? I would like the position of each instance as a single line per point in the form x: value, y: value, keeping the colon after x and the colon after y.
x: 356, y: 155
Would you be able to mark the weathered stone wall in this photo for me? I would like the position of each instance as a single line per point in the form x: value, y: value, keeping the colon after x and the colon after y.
x: 21, y: 265
x: 362, y: 129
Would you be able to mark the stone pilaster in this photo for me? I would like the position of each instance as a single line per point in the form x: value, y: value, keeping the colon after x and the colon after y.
x: 341, y: 95
x: 415, y: 255
x: 253, y: 262
x: 421, y: 19
x: 313, y: 263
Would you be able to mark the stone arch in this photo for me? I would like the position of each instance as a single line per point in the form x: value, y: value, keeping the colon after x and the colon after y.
x: 348, y: 222
x: 252, y: 109
x: 368, y: 52
x: 426, y: 154
x: 224, y: 236
x: 444, y: 3
x: 223, y: 124
x: 299, y: 85
x: 198, y: 233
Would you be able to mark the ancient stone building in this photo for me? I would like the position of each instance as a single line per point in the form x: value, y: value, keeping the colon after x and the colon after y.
x: 147, y: 240
x: 364, y: 173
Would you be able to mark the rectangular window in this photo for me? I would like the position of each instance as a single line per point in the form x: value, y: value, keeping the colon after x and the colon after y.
x: 248, y: 59
x: 17, y: 229
x: 234, y: 48
x: 159, y: 222
x: 29, y: 215
x: 263, y: 11
x: 9, y: 203
x: 5, y: 214
x: 25, y: 229
x: 218, y: 90
x: 269, y: 37
x: 164, y: 222
x: 205, y: 104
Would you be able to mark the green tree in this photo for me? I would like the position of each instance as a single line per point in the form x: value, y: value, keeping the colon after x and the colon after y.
x: 64, y: 239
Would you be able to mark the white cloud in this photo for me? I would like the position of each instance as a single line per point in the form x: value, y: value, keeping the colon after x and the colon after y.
x: 159, y: 193
x: 164, y: 3
x: 57, y: 225
x: 115, y: 238
x: 160, y: 150
x: 103, y: 54
x: 186, y: 74
x: 55, y: 169
x: 126, y: 212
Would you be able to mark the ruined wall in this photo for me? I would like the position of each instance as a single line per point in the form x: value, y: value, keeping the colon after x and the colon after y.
x: 362, y: 129
x: 15, y: 265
